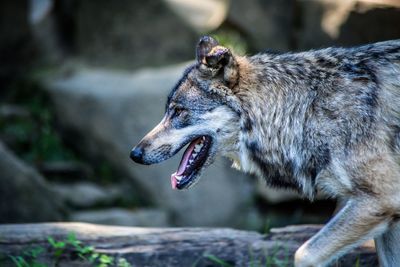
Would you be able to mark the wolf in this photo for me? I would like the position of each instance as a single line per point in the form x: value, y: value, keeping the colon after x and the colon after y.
x: 318, y: 121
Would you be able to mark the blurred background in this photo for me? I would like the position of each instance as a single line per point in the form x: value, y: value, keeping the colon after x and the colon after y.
x: 82, y: 81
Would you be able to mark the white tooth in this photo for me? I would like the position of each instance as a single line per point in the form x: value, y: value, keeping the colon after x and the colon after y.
x: 190, y: 161
x: 194, y: 154
x: 204, y: 138
x: 178, y: 177
x: 197, y: 149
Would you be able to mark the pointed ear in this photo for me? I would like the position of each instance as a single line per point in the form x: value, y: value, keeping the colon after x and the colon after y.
x: 211, y: 54
x: 204, y: 47
x: 212, y: 58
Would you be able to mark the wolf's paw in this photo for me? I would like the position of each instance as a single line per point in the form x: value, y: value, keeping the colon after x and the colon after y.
x: 303, y: 258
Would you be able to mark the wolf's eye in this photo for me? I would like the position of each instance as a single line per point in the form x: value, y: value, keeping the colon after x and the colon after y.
x: 178, y: 111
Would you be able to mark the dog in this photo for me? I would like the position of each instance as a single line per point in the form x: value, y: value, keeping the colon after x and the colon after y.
x: 324, y: 120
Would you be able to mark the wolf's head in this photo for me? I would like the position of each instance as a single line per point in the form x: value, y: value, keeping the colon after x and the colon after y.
x: 201, y: 112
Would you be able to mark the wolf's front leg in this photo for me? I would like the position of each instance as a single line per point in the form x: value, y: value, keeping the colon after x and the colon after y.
x: 361, y: 218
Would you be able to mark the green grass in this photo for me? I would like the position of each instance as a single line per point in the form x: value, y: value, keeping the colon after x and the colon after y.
x: 270, y: 259
x: 70, y: 247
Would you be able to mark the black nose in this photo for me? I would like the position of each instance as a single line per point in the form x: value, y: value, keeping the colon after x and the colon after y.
x: 137, y: 154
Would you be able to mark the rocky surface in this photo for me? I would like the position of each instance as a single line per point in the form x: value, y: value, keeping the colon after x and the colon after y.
x: 24, y: 194
x: 129, y: 34
x: 167, y: 247
x: 110, y: 111
x: 85, y: 194
x: 204, y: 16
x: 332, y: 22
x: 265, y: 24
x: 123, y: 217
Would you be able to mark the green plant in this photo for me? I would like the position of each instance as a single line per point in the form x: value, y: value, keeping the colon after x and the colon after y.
x: 358, y: 263
x: 33, y: 136
x: 29, y: 258
x: 70, y: 246
x: 217, y: 260
x: 267, y: 227
x: 232, y: 40
x: 272, y: 259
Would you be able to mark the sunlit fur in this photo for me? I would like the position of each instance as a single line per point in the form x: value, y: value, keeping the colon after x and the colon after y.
x: 325, y: 120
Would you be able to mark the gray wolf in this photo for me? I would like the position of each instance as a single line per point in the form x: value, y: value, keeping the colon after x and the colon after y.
x: 325, y: 120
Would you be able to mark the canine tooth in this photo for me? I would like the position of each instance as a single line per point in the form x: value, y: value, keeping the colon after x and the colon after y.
x: 204, y: 138
x: 178, y: 177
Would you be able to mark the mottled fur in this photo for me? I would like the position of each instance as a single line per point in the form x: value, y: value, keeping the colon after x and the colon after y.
x: 325, y: 120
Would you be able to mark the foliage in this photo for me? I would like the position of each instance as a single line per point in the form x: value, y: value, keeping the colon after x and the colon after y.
x: 33, y: 137
x: 270, y: 260
x: 28, y: 259
x: 70, y: 247
x: 232, y: 40
x: 217, y: 260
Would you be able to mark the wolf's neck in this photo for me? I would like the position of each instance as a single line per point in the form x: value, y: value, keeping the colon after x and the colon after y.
x: 272, y: 142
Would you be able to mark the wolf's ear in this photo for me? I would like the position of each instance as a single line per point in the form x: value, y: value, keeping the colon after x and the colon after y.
x: 212, y: 58
x: 205, y: 45
x: 211, y: 54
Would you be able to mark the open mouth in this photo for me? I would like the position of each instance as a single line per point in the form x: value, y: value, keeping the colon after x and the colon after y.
x: 192, y: 161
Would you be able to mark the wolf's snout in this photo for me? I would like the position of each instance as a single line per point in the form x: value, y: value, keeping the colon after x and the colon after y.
x: 137, y: 154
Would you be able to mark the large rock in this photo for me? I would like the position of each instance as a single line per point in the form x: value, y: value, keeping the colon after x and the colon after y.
x: 169, y: 247
x: 127, y: 33
x: 266, y: 24
x: 111, y: 111
x: 341, y: 22
x: 123, y: 217
x: 86, y: 195
x: 24, y: 195
x: 204, y: 16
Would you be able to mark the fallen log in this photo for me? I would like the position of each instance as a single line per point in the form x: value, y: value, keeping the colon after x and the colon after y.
x: 163, y: 247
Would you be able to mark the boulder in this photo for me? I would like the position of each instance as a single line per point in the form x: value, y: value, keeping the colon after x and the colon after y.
x: 204, y: 16
x: 168, y: 247
x: 125, y: 33
x: 86, y: 194
x: 123, y: 217
x: 266, y: 24
x: 108, y: 113
x: 331, y: 22
x: 24, y: 194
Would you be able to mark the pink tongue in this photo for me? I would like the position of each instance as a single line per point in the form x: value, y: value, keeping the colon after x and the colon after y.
x: 186, y: 156
x: 182, y: 165
x: 174, y: 182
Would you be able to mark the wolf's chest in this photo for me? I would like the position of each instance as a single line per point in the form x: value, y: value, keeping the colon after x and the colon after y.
x: 268, y: 161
